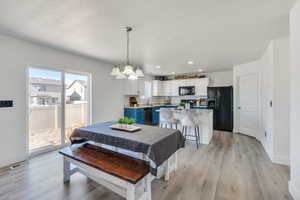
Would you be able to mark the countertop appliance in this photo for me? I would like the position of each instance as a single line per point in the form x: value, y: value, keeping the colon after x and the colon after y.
x: 220, y: 99
x: 191, y: 102
x: 186, y: 90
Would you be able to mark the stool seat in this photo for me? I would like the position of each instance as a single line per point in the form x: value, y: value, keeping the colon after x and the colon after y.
x: 167, y: 118
x: 190, y: 120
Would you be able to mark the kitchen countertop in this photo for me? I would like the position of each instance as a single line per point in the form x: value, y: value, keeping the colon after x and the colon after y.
x: 147, y: 106
x: 151, y: 106
x: 190, y: 110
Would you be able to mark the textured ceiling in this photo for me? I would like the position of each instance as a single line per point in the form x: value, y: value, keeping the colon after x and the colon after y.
x: 215, y: 34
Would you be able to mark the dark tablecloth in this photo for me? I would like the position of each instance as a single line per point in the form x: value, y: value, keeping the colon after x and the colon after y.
x: 156, y: 143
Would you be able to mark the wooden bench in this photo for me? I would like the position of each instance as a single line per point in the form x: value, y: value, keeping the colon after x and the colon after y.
x: 129, y: 177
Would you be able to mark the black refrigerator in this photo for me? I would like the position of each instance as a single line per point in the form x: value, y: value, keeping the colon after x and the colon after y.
x: 220, y: 99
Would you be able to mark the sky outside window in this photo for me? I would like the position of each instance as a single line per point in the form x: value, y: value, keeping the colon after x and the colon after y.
x: 48, y: 74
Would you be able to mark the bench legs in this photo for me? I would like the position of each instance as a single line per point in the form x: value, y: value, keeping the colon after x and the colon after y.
x: 67, y: 170
x: 148, y: 187
x: 130, y: 193
x: 171, y: 166
x: 130, y: 190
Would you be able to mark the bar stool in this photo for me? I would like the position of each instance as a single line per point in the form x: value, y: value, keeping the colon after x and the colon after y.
x: 198, y: 120
x: 166, y: 118
x: 188, y: 120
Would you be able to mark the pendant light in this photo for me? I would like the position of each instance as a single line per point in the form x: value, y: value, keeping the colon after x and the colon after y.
x: 128, y: 69
x: 115, y: 71
x: 139, y: 73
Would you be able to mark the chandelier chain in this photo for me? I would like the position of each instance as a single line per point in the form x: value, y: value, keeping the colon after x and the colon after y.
x: 128, y: 29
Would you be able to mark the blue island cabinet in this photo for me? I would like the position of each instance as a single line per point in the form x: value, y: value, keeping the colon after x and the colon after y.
x: 135, y: 113
x: 200, y: 107
x: 155, y: 115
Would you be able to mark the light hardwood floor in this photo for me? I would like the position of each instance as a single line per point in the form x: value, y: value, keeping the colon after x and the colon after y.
x: 232, y: 167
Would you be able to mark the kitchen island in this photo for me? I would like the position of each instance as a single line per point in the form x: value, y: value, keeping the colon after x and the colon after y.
x: 204, y: 116
x: 138, y: 113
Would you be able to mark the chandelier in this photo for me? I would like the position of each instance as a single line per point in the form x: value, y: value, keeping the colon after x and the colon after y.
x: 127, y: 71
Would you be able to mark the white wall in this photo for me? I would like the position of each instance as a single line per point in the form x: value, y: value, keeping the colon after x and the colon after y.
x: 273, y: 72
x: 220, y: 78
x: 281, y: 100
x: 295, y: 101
x: 266, y: 95
x: 15, y: 56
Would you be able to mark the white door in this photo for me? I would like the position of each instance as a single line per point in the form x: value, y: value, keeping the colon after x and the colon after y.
x: 247, y: 104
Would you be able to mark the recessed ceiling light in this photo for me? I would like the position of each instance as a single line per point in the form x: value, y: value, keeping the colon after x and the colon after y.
x: 200, y: 70
x: 190, y: 62
x: 157, y: 67
x: 173, y: 73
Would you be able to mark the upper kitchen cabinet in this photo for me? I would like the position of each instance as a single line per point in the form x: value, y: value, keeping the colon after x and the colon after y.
x: 171, y: 87
x: 139, y: 87
x: 174, y: 84
x: 201, y: 86
x: 167, y: 85
x: 158, y: 88
x: 190, y: 82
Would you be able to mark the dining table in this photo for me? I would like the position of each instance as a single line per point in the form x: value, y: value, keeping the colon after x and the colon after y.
x: 159, y: 146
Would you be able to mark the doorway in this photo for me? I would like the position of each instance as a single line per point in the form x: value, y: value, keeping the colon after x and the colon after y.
x: 58, y: 102
x: 247, y: 104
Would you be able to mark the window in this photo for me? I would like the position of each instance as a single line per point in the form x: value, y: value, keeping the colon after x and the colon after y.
x: 52, y: 116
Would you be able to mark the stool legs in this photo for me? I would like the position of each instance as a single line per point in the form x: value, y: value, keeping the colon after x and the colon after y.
x: 198, y: 128
x: 196, y: 136
x: 165, y: 125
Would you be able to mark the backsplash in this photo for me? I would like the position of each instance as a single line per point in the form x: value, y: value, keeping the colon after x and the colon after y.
x: 176, y: 100
x: 145, y: 101
x: 161, y: 100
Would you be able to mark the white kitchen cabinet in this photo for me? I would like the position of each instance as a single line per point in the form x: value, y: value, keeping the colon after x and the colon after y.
x: 167, y: 88
x: 141, y: 87
x: 155, y: 84
x: 158, y: 88
x: 201, y: 86
x: 171, y: 87
x: 190, y: 82
x: 175, y: 88
x: 180, y: 82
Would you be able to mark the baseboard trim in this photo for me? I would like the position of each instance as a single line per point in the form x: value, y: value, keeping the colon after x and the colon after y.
x: 267, y: 150
x: 294, y: 191
x: 283, y: 160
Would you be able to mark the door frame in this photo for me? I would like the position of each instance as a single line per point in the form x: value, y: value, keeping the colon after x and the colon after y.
x: 63, y: 71
x: 236, y: 105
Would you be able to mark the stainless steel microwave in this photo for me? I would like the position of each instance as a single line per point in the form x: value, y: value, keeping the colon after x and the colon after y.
x: 186, y: 90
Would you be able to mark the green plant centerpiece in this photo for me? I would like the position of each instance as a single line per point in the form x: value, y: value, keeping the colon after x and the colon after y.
x: 125, y: 121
